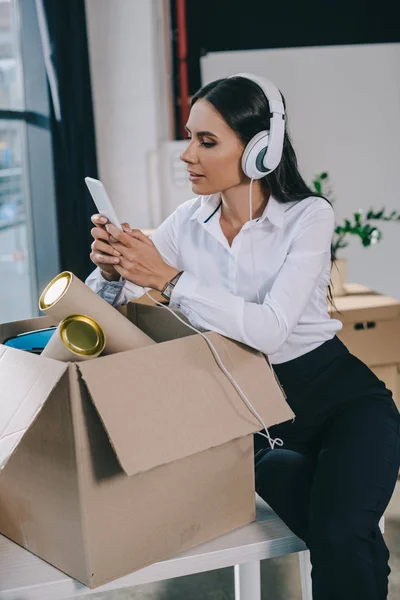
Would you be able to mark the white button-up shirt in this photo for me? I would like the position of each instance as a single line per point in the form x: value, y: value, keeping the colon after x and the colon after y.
x: 218, y: 289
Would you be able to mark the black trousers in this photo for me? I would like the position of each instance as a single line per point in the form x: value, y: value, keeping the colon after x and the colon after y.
x: 334, y: 476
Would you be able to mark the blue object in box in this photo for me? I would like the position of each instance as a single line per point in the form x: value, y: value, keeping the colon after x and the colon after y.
x: 31, y: 341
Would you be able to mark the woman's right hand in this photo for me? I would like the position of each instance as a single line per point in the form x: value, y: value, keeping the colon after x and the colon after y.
x: 103, y: 254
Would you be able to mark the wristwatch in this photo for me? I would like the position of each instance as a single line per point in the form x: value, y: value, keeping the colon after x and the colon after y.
x: 167, y: 291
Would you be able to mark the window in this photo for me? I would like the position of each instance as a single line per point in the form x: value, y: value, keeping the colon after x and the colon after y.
x: 28, y: 239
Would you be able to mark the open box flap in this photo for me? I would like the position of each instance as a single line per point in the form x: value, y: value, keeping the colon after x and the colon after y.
x: 170, y: 400
x: 26, y: 381
x: 16, y: 327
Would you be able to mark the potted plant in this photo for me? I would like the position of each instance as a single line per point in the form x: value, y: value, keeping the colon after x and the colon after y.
x: 360, y: 225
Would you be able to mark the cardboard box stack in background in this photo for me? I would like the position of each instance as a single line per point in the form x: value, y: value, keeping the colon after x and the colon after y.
x: 111, y: 464
x: 371, y: 331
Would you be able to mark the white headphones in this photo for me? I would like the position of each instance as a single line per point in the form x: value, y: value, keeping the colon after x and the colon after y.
x: 263, y: 153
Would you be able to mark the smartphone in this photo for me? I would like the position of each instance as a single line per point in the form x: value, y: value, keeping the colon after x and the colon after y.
x: 102, y: 201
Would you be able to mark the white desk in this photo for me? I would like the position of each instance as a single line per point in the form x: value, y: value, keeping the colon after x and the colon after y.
x: 23, y: 576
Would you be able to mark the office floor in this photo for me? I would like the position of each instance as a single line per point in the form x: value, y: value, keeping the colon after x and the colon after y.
x: 280, y: 576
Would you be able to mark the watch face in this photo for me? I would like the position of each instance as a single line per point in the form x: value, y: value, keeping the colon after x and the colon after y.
x: 168, y: 291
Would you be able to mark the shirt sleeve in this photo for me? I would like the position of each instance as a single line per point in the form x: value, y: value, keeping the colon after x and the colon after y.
x: 265, y: 326
x: 121, y: 292
x: 115, y: 293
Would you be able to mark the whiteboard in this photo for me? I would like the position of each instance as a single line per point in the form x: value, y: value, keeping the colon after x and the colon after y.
x: 343, y: 106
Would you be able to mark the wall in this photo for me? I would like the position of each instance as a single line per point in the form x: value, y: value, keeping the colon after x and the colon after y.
x: 131, y: 101
x: 344, y: 116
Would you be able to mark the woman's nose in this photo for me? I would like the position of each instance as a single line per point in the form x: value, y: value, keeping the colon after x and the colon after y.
x: 188, y: 156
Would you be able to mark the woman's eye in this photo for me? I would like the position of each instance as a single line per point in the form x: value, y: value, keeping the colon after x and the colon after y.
x: 202, y: 143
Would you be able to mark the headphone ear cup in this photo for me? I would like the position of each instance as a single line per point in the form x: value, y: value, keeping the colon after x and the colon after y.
x: 253, y: 155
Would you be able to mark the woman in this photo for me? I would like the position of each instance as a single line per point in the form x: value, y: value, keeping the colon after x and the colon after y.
x: 262, y: 279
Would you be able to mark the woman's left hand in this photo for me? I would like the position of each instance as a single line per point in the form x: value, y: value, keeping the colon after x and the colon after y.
x: 140, y: 262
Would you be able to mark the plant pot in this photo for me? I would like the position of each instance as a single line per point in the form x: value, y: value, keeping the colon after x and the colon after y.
x: 339, y: 276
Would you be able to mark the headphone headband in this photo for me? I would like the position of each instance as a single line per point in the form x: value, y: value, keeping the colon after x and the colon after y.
x: 270, y: 90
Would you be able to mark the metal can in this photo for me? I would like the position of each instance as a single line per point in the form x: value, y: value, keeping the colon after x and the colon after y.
x: 78, y: 337
x: 55, y: 290
x: 67, y: 295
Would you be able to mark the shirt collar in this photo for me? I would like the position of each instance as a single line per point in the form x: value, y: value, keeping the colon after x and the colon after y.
x: 274, y: 211
x: 208, y: 207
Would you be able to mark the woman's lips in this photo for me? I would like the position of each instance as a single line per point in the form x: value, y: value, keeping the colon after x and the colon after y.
x: 194, y: 176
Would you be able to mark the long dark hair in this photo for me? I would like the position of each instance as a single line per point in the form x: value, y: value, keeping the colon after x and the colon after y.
x: 244, y: 107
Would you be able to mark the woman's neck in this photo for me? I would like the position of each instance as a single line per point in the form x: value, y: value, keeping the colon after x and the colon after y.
x: 235, y: 210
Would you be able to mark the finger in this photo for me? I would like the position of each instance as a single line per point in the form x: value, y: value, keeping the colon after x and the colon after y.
x: 123, y: 272
x: 99, y: 234
x: 99, y: 219
x: 122, y: 249
x: 126, y: 263
x: 107, y: 268
x: 103, y: 247
x: 119, y: 235
x: 103, y: 259
x: 139, y: 235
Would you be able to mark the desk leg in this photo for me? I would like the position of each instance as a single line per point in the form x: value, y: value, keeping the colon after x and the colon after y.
x: 305, y: 575
x: 248, y: 581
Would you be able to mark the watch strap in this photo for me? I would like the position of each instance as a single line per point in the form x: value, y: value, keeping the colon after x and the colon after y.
x: 168, y: 289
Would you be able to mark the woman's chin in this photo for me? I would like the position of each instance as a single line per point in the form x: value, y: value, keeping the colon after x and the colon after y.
x: 197, y: 188
x: 201, y: 188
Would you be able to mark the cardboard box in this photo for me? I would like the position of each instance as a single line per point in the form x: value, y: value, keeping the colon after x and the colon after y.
x: 390, y: 375
x: 112, y: 464
x: 371, y: 331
